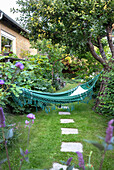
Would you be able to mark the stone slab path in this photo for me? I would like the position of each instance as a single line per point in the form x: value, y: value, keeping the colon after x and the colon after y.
x: 66, y: 120
x: 57, y: 166
x: 64, y: 113
x: 71, y: 147
x: 67, y: 146
x: 68, y: 131
x: 64, y: 107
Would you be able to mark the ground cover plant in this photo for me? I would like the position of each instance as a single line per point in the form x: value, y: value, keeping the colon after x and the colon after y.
x: 46, y: 138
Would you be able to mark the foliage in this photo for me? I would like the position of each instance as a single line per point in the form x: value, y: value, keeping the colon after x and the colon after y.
x: 24, y: 53
x: 9, y: 73
x: 107, y: 101
x: 55, y: 54
x: 80, y: 26
x: 74, y: 24
x: 13, y: 108
x: 78, y: 66
x: 36, y: 75
x: 81, y: 65
x: 9, y: 133
x: 12, y: 130
x: 13, y: 55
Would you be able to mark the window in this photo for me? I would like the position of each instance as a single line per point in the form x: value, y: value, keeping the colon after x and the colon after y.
x: 8, y: 42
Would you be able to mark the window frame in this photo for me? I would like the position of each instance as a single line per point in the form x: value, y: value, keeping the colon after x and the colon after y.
x: 10, y: 37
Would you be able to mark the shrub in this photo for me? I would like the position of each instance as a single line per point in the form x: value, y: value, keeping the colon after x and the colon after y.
x: 36, y: 76
x: 107, y: 99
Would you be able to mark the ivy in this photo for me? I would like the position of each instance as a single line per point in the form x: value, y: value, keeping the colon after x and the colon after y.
x: 106, y: 106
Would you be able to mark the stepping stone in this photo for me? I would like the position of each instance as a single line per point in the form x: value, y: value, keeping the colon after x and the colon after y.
x: 71, y: 147
x: 64, y: 113
x: 68, y: 131
x: 57, y: 166
x: 64, y: 107
x: 66, y: 120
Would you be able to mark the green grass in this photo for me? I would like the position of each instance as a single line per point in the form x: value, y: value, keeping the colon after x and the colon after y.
x: 68, y: 86
x: 46, y: 138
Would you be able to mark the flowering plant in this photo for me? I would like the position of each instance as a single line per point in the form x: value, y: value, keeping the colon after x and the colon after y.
x: 28, y: 124
x: 8, y: 80
x: 106, y: 145
x: 9, y: 134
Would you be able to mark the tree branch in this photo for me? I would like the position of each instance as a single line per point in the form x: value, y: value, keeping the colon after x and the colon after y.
x: 109, y: 37
x: 101, y: 48
x: 94, y: 54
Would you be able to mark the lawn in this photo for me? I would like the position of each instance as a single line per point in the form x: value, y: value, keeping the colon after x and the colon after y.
x: 46, y: 138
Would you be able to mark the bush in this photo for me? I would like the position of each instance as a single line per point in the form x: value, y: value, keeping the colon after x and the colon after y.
x: 107, y: 99
x: 35, y: 76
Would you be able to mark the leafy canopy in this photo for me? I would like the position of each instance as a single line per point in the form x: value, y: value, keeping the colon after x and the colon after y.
x: 67, y: 22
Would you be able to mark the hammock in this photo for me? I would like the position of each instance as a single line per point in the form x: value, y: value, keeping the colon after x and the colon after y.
x: 41, y: 99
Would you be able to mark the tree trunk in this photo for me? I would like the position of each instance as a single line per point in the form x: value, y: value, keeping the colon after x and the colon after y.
x: 103, y: 61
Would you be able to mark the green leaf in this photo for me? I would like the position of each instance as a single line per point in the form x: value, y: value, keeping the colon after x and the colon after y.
x: 9, y: 134
x: 100, y: 137
x: 112, y: 140
x: 98, y: 145
x: 63, y: 162
x: 9, y: 75
x: 70, y: 167
x: 1, y: 141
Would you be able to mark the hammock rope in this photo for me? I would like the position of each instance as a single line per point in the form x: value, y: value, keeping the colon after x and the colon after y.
x: 42, y: 99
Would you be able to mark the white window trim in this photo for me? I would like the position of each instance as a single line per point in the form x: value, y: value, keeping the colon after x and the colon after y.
x: 11, y: 37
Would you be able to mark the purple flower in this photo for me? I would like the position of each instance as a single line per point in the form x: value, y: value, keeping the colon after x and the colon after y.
x: 69, y: 161
x: 110, y: 122
x: 109, y: 134
x: 33, y: 121
x: 81, y: 161
x: 2, y: 82
x: 26, y: 152
x: 27, y: 122
x: 31, y: 116
x: 2, y: 118
x: 19, y: 65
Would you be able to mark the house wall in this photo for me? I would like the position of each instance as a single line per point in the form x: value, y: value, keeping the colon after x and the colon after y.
x: 22, y: 43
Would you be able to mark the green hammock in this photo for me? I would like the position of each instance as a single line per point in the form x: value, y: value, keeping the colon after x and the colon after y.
x: 41, y: 99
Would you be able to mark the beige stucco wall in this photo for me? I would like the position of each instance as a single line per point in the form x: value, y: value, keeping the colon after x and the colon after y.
x: 22, y: 43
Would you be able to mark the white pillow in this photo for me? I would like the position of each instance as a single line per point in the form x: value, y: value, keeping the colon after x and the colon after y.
x: 79, y: 90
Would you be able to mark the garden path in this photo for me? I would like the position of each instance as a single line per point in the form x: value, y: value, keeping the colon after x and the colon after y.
x: 68, y: 146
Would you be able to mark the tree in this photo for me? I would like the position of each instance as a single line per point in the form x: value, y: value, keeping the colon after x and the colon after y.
x: 55, y: 54
x: 79, y: 25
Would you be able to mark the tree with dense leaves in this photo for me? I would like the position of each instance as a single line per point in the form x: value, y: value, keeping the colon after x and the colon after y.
x: 80, y: 25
